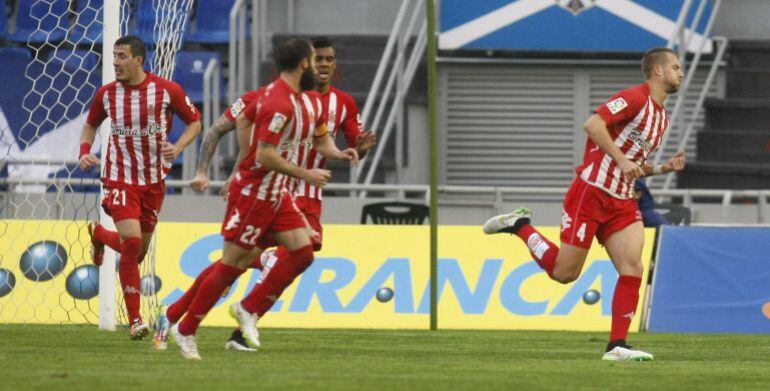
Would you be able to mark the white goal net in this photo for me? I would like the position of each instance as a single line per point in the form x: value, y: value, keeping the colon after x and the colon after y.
x: 46, y: 201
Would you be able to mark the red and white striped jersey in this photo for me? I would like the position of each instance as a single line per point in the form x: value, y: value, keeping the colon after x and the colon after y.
x: 241, y: 103
x: 637, y: 124
x: 341, y: 114
x: 141, y: 119
x: 289, y: 121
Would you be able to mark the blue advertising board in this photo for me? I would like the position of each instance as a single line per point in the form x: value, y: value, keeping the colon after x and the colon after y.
x: 712, y: 279
x: 565, y: 25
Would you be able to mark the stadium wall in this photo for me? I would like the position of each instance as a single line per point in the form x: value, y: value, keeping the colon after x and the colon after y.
x: 484, y: 282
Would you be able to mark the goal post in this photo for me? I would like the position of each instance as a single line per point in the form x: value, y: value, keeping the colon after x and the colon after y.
x: 107, y: 300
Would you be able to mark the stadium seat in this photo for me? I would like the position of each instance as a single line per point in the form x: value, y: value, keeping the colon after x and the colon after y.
x: 41, y: 21
x: 675, y: 214
x: 146, y: 15
x: 212, y: 22
x: 3, y: 20
x: 403, y: 213
x: 189, y: 70
x: 79, y: 79
x: 87, y: 26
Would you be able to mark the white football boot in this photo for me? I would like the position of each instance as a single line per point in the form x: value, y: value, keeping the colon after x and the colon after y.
x: 138, y: 329
x: 626, y: 353
x: 248, y: 323
x: 509, y: 222
x: 186, y: 343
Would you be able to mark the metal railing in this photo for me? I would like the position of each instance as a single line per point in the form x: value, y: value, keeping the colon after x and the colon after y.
x: 682, y: 38
x: 490, y: 196
x: 402, y: 67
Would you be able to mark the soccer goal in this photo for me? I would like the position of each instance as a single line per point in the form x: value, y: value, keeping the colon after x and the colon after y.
x: 46, y: 201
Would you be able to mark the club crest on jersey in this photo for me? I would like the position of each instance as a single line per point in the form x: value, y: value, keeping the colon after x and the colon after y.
x: 576, y: 6
x: 279, y: 120
x: 237, y: 107
x: 617, y: 105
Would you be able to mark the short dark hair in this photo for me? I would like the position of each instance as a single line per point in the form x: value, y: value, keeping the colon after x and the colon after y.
x: 135, y: 44
x: 321, y: 42
x: 652, y: 57
x: 290, y: 53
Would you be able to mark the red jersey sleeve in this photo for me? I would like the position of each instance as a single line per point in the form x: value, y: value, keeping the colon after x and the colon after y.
x: 623, y: 106
x: 97, y: 114
x: 352, y: 125
x: 250, y: 111
x: 243, y: 103
x: 272, y: 119
x: 182, y: 105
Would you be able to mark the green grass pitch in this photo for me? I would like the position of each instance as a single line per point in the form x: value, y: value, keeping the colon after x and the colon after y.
x: 81, y: 357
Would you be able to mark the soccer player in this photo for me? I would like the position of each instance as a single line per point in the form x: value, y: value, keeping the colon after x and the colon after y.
x: 259, y: 209
x: 622, y: 134
x: 342, y: 114
x: 139, y: 156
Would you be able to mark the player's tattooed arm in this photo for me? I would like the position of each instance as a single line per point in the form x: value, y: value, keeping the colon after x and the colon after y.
x: 270, y: 158
x: 210, y: 141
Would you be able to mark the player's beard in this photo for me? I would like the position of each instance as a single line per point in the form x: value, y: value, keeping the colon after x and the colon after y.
x: 307, y: 80
x: 672, y: 89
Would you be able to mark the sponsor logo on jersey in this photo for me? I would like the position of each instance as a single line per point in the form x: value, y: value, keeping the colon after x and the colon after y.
x: 617, y: 105
x: 151, y: 129
x: 279, y: 120
x: 237, y: 107
x: 637, y: 138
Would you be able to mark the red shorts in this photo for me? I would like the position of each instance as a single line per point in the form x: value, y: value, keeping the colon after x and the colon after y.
x: 250, y: 222
x: 123, y: 202
x: 311, y: 208
x: 590, y: 211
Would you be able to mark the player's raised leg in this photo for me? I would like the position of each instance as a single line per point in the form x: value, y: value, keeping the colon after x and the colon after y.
x: 561, y: 264
x: 625, y: 250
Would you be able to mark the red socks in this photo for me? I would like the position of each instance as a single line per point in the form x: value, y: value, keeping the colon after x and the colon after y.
x: 624, y: 304
x: 543, y: 251
x: 130, y: 250
x: 110, y: 238
x: 210, y: 290
x: 175, y: 311
x: 289, y: 265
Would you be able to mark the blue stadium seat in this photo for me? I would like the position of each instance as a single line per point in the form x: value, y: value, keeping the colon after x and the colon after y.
x: 212, y: 22
x: 80, y: 79
x: 189, y: 70
x: 41, y: 21
x: 146, y: 15
x: 87, y: 25
x: 15, y: 87
x: 145, y: 20
x: 3, y: 20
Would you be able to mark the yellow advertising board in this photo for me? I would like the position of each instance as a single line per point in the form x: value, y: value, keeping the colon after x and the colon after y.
x: 485, y: 282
